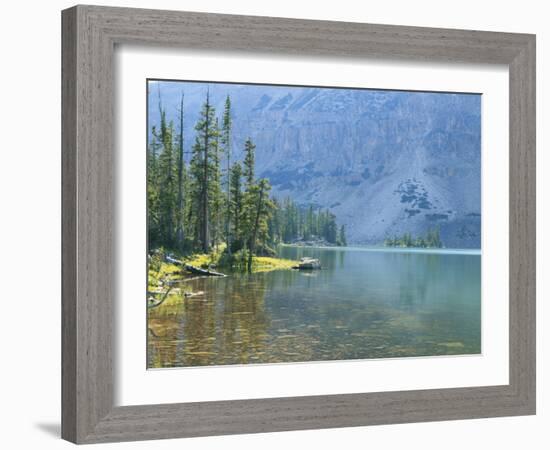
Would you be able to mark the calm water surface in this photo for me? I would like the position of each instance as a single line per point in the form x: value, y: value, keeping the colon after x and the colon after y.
x: 365, y: 303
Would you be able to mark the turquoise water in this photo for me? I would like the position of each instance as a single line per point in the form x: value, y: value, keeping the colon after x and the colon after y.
x: 364, y: 303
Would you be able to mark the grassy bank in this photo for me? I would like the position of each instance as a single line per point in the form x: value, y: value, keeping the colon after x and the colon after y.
x: 219, y: 259
x: 161, y: 271
x: 267, y: 264
x: 259, y: 263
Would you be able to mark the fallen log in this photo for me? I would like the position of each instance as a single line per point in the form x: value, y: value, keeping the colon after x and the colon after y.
x: 204, y: 272
x: 172, y: 260
x: 194, y: 269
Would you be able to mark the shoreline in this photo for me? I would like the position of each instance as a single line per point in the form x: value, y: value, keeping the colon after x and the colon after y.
x: 373, y: 248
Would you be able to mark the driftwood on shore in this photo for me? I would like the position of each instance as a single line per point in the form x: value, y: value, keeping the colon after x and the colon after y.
x: 172, y: 260
x: 205, y: 272
x: 194, y: 269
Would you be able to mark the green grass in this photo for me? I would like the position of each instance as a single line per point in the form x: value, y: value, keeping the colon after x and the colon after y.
x: 267, y: 264
x: 166, y: 272
x: 205, y: 260
x: 161, y: 271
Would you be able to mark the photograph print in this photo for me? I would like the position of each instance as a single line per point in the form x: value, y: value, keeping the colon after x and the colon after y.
x: 294, y: 224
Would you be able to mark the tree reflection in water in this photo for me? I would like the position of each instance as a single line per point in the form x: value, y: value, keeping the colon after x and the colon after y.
x: 363, y: 304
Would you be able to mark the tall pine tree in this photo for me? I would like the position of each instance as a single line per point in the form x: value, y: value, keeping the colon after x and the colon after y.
x: 249, y: 161
x: 258, y: 213
x: 181, y: 176
x: 153, y: 218
x: 203, y: 170
x: 226, y: 143
x: 215, y: 193
x: 167, y: 181
x: 236, y: 205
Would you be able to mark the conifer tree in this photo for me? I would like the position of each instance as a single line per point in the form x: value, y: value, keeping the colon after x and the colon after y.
x: 342, y: 238
x: 153, y: 219
x: 226, y: 143
x: 203, y: 170
x: 215, y: 198
x: 180, y: 207
x: 274, y: 225
x: 215, y: 194
x: 236, y: 204
x: 259, y: 208
x: 249, y: 161
x: 167, y: 181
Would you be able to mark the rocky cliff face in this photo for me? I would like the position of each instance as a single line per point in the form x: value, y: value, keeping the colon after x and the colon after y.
x: 384, y: 162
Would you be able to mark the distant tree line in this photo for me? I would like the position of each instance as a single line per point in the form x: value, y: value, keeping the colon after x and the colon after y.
x: 214, y: 199
x: 291, y: 223
x: 430, y: 240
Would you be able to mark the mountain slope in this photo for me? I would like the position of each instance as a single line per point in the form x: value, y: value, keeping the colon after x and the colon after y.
x: 384, y: 162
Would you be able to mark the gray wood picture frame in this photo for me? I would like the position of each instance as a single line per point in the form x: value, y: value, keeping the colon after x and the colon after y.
x: 90, y: 34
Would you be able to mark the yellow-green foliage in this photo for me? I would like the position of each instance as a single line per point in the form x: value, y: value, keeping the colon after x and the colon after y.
x: 266, y: 264
x: 259, y: 263
x: 162, y: 271
x: 205, y: 260
x: 201, y: 260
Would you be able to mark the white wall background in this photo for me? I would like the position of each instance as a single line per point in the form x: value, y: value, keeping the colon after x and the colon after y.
x: 30, y: 223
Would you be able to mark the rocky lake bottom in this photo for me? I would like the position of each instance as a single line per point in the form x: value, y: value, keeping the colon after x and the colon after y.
x: 364, y: 303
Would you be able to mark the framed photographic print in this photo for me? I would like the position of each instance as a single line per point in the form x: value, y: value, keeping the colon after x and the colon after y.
x: 280, y: 233
x: 278, y: 224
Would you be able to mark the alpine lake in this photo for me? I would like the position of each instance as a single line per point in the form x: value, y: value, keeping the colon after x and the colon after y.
x: 364, y: 303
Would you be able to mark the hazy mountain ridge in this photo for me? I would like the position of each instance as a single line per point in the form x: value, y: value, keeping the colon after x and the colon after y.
x: 384, y: 162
